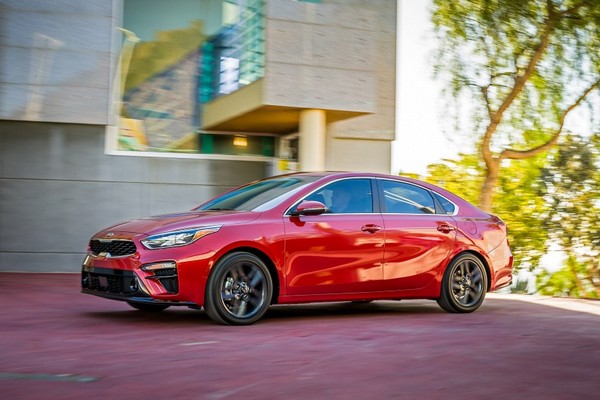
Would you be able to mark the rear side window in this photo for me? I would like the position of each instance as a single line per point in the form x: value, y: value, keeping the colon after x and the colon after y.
x: 447, y: 205
x: 404, y: 198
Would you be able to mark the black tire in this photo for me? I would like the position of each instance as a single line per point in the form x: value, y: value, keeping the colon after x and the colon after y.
x: 464, y: 285
x: 239, y: 290
x: 148, y: 307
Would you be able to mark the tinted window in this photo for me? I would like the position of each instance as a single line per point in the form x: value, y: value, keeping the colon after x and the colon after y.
x: 404, y: 198
x: 252, y: 196
x: 346, y: 196
x: 448, y: 206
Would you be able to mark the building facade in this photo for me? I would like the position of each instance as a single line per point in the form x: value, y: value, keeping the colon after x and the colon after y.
x: 117, y: 109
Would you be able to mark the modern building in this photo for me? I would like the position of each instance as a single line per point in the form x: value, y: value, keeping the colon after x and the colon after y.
x: 117, y: 109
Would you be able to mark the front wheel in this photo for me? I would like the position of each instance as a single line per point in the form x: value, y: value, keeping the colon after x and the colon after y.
x: 464, y: 285
x: 239, y: 290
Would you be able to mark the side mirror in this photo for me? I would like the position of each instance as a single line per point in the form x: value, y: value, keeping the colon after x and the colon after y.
x: 309, y: 207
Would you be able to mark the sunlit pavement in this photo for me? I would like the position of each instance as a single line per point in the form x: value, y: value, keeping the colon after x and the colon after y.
x: 580, y: 305
x: 58, y: 343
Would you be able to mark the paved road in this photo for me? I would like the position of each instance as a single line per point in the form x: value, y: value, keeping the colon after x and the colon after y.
x: 58, y: 343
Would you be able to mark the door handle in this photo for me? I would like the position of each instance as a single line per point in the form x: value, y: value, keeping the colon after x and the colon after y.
x: 445, y: 228
x: 370, y: 228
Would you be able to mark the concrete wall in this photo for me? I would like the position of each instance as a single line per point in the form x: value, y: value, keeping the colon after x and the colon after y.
x: 58, y: 60
x: 58, y: 187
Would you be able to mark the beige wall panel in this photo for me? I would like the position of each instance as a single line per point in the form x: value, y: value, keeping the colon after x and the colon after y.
x: 307, y: 86
x: 325, y: 46
x: 359, y: 155
x: 324, y: 13
x: 380, y: 125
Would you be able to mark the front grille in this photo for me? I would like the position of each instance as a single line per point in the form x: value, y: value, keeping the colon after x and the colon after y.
x: 110, y: 281
x: 116, y: 248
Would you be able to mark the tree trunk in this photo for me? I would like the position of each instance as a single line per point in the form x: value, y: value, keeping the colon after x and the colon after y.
x: 490, y: 182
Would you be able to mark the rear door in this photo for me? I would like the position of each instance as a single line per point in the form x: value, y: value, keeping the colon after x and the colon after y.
x: 418, y: 236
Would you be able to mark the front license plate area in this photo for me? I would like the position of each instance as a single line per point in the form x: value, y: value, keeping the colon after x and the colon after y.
x: 103, y: 282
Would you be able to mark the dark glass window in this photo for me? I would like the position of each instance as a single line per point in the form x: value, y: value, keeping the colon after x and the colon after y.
x: 346, y: 196
x: 257, y: 194
x: 404, y: 198
x: 447, y: 205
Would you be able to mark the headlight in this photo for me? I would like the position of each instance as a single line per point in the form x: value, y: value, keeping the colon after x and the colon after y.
x: 178, y: 238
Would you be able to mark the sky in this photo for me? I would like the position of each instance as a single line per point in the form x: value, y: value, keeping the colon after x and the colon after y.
x: 420, y: 138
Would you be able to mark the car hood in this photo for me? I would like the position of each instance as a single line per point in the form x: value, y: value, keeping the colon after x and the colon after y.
x: 173, y: 222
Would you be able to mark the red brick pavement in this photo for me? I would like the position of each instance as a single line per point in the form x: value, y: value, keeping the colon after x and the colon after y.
x: 58, y: 343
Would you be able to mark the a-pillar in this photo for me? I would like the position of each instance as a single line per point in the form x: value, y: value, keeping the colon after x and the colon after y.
x: 312, y: 141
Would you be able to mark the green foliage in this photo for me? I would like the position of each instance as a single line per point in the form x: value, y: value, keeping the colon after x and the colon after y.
x: 567, y: 282
x: 462, y: 176
x: 520, y: 204
x: 150, y: 58
x: 572, y: 189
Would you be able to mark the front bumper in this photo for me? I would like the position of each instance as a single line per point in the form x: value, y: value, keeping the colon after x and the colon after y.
x: 116, y: 284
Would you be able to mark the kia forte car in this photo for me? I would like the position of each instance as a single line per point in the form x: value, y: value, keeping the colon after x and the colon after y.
x: 300, y: 238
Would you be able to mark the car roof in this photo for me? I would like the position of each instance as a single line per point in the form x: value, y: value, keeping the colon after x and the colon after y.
x: 353, y: 174
x: 332, y: 175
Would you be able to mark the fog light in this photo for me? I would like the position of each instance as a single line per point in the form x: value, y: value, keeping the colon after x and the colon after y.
x: 160, y: 265
x: 85, y: 281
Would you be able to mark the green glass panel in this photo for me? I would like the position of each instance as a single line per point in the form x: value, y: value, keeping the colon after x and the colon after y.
x: 206, y: 144
x: 268, y: 146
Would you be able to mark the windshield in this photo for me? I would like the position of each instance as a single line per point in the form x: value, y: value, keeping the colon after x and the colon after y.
x: 254, y: 195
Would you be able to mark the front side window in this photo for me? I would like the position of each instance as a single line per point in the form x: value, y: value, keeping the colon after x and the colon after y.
x: 404, y: 198
x: 348, y: 196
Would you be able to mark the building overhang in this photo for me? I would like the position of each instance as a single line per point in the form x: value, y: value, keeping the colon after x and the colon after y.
x: 244, y: 111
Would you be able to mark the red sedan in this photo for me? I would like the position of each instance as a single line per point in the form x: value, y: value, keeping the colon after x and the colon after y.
x: 306, y: 237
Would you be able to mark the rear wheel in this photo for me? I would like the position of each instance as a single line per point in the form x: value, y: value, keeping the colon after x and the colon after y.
x: 148, y: 307
x: 239, y: 290
x: 464, y: 285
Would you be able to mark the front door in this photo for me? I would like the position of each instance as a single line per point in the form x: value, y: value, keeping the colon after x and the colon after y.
x: 340, y: 251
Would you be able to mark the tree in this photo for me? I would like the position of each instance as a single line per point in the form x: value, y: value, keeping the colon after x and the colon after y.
x: 527, y: 66
x: 572, y: 190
